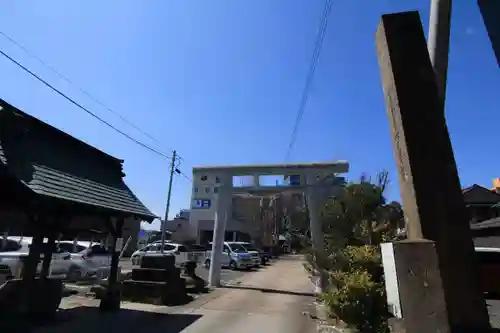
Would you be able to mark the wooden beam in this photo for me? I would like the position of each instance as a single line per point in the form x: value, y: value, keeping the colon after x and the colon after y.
x: 490, y: 11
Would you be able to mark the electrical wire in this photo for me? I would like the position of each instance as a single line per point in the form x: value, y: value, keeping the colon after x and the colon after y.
x: 184, y: 175
x: 83, y: 91
x: 310, y: 75
x: 82, y: 107
x: 179, y: 172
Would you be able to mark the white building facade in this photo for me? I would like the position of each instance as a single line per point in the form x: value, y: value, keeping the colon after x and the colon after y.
x: 204, y: 196
x: 204, y: 204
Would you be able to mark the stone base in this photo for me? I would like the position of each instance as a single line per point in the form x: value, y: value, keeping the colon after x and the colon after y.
x: 195, y: 284
x: 154, y: 292
x: 155, y: 274
x: 42, y: 300
x: 160, y: 261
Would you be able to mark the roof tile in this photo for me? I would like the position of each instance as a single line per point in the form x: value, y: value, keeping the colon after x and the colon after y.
x: 53, y: 164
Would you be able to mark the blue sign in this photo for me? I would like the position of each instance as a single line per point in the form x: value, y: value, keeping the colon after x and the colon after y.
x: 294, y: 180
x: 201, y: 203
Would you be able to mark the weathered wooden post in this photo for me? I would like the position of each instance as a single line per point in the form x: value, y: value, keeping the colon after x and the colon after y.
x: 428, y: 177
x: 490, y: 11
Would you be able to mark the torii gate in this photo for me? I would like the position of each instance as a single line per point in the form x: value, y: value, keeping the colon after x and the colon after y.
x: 313, y: 179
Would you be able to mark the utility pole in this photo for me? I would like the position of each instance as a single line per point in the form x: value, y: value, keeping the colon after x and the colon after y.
x: 438, y: 43
x: 164, y: 224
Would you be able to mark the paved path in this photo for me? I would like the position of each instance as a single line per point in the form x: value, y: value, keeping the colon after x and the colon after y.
x: 270, y: 300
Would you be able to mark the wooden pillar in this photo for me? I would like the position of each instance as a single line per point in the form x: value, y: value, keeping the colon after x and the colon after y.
x: 31, y: 262
x: 30, y: 265
x: 490, y: 11
x: 49, y: 249
x: 111, y: 302
x: 115, y: 253
x: 428, y: 177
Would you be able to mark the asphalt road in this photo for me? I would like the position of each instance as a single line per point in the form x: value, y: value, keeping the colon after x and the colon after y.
x: 226, y: 274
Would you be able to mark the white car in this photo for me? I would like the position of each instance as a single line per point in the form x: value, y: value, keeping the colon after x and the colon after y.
x: 181, y: 253
x: 234, y: 256
x: 13, y: 249
x: 254, y: 252
x: 90, y: 259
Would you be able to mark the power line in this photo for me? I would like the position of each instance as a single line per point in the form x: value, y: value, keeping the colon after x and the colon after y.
x: 184, y: 175
x: 82, y: 107
x: 179, y: 172
x: 310, y: 75
x: 83, y: 91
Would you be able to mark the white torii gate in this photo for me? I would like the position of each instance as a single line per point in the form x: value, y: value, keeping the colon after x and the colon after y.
x: 313, y: 178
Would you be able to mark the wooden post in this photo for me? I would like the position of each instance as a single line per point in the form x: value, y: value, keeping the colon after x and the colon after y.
x: 428, y: 177
x: 31, y: 262
x: 113, y: 275
x: 490, y: 11
x: 111, y: 302
x: 49, y: 249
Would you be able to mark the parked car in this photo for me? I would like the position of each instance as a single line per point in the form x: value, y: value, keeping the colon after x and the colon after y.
x: 93, y: 257
x: 488, y: 260
x: 234, y: 256
x: 180, y: 251
x: 14, y: 249
x: 254, y: 253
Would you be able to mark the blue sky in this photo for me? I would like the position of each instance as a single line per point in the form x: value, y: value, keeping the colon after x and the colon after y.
x: 220, y: 81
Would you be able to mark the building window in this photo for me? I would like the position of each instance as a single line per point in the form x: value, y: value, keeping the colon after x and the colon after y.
x: 207, y: 189
x: 216, y: 189
x: 217, y: 179
x: 204, y: 178
x: 195, y: 190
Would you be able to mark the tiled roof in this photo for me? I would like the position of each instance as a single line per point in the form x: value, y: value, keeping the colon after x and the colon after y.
x: 54, y: 164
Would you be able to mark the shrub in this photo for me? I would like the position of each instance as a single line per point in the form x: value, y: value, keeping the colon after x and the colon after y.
x: 358, y: 298
x: 359, y: 301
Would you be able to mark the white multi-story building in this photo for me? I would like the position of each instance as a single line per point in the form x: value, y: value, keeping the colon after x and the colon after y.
x: 204, y: 203
x: 244, y: 218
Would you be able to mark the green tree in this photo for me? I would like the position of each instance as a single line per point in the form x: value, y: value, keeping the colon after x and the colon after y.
x: 355, y: 223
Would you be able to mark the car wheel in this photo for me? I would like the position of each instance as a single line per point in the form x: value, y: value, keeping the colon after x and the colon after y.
x: 74, y: 274
x: 206, y: 264
x: 233, y: 265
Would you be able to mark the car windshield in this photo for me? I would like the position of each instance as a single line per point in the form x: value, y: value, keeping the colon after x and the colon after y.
x: 69, y: 247
x: 238, y: 248
x: 9, y: 245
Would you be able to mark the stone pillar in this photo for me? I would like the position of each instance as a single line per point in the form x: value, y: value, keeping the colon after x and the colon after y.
x: 428, y: 177
x: 414, y: 286
x: 220, y: 221
x: 318, y: 241
x: 255, y: 180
